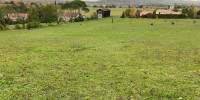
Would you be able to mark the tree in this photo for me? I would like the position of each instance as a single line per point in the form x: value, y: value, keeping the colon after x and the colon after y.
x: 133, y: 13
x: 94, y: 6
x: 123, y: 15
x: 175, y: 7
x: 12, y: 2
x: 33, y: 16
x: 2, y: 20
x: 141, y: 6
x: 185, y: 11
x: 69, y: 6
x: 75, y: 5
x: 79, y: 5
x: 198, y: 13
x: 154, y: 14
x: 128, y: 12
x: 191, y: 11
x: 49, y: 14
x: 86, y: 10
x: 21, y: 8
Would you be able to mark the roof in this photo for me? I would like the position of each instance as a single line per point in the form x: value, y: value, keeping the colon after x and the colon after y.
x: 144, y: 12
x: 69, y: 14
x: 15, y: 16
x: 104, y: 9
x: 162, y: 11
x: 141, y: 13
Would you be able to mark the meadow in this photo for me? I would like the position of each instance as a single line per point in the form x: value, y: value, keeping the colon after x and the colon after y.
x: 127, y: 59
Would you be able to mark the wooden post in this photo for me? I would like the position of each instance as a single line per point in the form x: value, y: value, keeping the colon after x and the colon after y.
x: 112, y: 20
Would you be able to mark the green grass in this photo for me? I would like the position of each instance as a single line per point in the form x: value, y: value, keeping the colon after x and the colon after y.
x: 128, y: 59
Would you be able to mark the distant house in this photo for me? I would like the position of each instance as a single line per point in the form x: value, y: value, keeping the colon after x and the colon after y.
x: 68, y: 16
x: 171, y: 7
x: 162, y: 11
x: 16, y: 16
x: 145, y: 14
x: 102, y: 13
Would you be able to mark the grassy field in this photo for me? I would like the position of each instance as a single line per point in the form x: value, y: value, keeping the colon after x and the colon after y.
x: 114, y: 11
x: 127, y: 59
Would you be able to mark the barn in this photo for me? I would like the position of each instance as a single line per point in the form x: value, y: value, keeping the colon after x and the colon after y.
x: 102, y: 13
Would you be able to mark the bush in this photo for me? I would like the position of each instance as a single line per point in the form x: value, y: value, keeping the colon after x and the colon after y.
x: 94, y: 16
x: 79, y: 19
x: 33, y: 25
x: 1, y: 27
x: 17, y: 26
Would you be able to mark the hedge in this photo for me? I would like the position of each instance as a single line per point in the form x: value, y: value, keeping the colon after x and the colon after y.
x: 172, y: 16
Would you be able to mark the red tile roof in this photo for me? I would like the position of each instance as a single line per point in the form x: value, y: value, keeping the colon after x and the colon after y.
x: 15, y: 16
x: 162, y: 11
x: 105, y: 9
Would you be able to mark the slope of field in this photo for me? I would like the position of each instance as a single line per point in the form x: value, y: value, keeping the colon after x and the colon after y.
x: 127, y: 59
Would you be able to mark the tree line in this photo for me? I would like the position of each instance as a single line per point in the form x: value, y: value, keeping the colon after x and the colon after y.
x: 187, y: 12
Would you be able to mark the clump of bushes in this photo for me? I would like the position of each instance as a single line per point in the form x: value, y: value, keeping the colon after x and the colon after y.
x: 94, y: 16
x: 1, y: 27
x: 33, y: 25
x: 130, y: 13
x: 79, y: 19
x: 17, y: 26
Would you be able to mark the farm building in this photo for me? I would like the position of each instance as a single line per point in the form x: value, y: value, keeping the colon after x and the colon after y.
x: 145, y: 14
x: 102, y: 13
x: 162, y: 11
x: 67, y: 16
x: 15, y: 16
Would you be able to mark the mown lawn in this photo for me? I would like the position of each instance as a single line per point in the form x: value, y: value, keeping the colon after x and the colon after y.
x: 127, y: 59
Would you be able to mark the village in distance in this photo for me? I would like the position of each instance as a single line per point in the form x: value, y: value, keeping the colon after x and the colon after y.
x: 99, y: 50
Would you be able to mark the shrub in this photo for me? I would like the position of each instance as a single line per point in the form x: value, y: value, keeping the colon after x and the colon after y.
x: 79, y: 19
x: 17, y: 26
x: 33, y: 25
x: 23, y: 26
x: 194, y: 21
x: 130, y: 13
x: 1, y: 27
x: 94, y: 16
x: 6, y: 27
